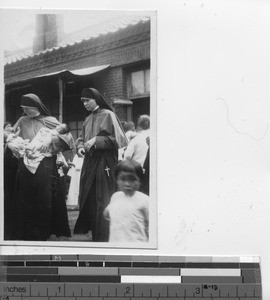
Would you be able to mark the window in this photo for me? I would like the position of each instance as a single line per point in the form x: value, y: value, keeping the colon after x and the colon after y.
x: 75, y: 128
x: 140, y: 83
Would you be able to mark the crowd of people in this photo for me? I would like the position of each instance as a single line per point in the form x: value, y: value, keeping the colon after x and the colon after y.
x: 109, y: 174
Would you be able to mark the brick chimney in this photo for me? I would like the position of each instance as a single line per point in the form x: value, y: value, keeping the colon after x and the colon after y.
x: 49, y: 32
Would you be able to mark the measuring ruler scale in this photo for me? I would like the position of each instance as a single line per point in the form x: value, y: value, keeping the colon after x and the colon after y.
x: 79, y: 277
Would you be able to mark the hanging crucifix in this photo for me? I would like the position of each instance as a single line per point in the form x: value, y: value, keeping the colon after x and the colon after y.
x: 107, y: 169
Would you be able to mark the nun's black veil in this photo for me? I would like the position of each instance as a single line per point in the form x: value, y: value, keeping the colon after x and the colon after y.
x: 32, y: 100
x: 91, y: 93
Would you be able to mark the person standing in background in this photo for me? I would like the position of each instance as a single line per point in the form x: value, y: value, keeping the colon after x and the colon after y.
x: 129, y: 128
x: 138, y: 147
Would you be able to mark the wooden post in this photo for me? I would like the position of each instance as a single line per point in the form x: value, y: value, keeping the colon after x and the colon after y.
x: 61, y: 96
x: 129, y: 112
x: 4, y: 102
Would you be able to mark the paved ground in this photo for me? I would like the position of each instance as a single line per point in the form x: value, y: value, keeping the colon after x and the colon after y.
x: 72, y: 218
x: 73, y: 213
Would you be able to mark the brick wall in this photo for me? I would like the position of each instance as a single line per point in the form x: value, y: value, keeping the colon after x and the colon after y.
x: 128, y: 54
x: 115, y: 49
x: 121, y: 112
x: 112, y: 82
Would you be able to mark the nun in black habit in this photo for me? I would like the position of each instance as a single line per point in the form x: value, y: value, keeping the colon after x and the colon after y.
x: 39, y: 207
x: 101, y: 137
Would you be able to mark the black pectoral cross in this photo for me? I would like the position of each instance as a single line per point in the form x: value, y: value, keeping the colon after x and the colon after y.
x: 107, y: 170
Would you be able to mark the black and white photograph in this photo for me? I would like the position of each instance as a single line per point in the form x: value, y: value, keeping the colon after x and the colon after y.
x: 138, y: 130
x: 79, y: 128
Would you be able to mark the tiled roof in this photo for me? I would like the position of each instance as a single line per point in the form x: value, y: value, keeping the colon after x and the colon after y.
x: 16, y: 55
x: 77, y: 37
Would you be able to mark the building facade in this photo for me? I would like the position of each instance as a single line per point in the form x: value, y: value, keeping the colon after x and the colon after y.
x: 114, y: 59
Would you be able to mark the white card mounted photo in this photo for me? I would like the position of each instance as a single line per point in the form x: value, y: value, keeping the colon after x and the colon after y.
x: 58, y: 179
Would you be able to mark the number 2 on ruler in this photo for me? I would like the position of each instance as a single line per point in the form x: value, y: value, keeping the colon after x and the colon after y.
x: 127, y: 290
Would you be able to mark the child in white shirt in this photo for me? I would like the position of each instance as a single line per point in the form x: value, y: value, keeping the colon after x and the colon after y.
x: 128, y: 210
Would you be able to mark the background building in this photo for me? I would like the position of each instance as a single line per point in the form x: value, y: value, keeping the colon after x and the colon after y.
x: 113, y: 57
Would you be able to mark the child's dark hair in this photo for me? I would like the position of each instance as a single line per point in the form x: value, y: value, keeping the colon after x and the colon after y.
x: 65, y: 128
x: 7, y: 124
x: 128, y: 126
x: 130, y: 166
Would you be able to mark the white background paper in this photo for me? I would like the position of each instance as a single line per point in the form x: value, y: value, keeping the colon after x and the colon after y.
x: 213, y: 112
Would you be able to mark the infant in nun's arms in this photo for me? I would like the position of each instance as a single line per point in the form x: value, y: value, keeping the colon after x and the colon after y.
x: 41, y: 146
x: 17, y: 144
